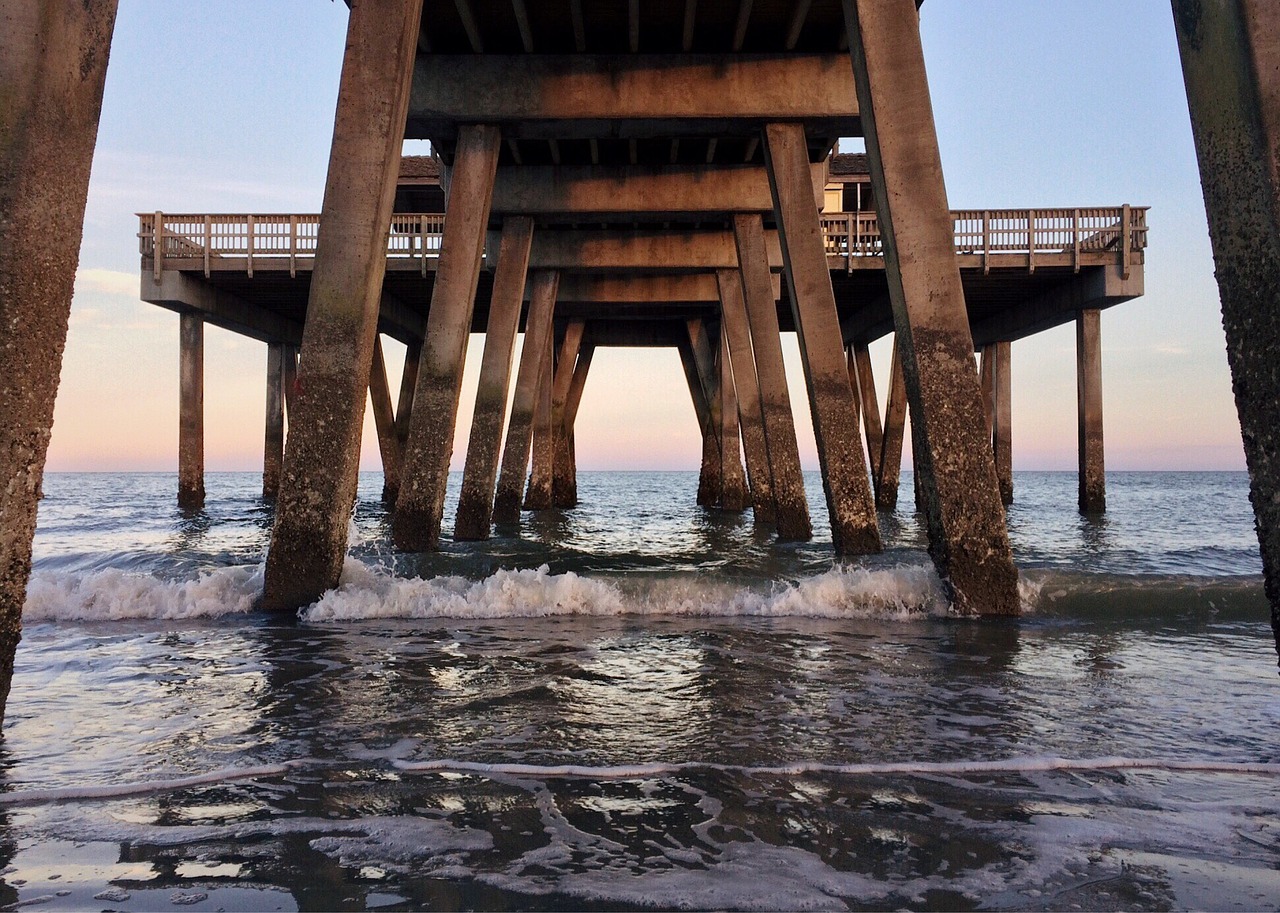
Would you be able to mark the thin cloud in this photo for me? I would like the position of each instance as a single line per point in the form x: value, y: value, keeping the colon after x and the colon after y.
x: 107, y: 282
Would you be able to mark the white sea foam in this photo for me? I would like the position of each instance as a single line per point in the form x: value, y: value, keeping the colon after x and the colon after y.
x: 116, y: 595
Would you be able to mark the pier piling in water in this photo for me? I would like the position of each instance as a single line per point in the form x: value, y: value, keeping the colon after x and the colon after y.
x: 191, y: 412
x: 1002, y: 419
x: 733, y: 317
x: 1093, y: 486
x: 273, y: 435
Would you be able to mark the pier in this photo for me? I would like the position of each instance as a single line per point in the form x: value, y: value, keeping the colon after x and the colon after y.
x: 629, y: 174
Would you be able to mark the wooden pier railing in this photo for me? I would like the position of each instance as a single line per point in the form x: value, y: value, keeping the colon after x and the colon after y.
x: 238, y: 242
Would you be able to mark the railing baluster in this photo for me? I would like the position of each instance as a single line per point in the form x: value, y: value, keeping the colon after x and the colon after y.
x: 208, y: 242
x: 1031, y: 240
x: 1126, y: 240
x: 422, y: 244
x: 157, y: 261
x: 293, y: 247
x: 249, y: 244
x: 1075, y: 235
x: 986, y: 242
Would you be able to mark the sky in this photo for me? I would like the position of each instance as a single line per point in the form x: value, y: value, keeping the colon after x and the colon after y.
x: 228, y: 106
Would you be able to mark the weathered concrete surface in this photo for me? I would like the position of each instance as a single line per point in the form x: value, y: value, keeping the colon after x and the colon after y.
x: 869, y: 404
x: 564, y: 486
x: 733, y: 318
x: 889, y: 462
x: 1002, y: 418
x: 404, y: 410
x: 711, y: 475
x: 384, y: 420
x: 321, y: 458
x: 967, y: 537
x: 273, y: 435
x: 420, y: 506
x: 1093, y: 481
x: 53, y: 60
x: 537, y: 495
x: 561, y: 457
x: 191, y: 412
x: 854, y: 529
x: 1231, y: 63
x: 537, y: 343
x: 775, y: 401
x: 733, y: 481
x: 475, y: 501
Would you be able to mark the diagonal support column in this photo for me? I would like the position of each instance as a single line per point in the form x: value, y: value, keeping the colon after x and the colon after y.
x: 701, y: 410
x: 733, y: 318
x: 322, y: 455
x: 537, y: 495
x: 967, y: 537
x: 191, y: 413
x: 711, y: 476
x: 1002, y: 417
x: 775, y: 400
x: 854, y: 529
x: 537, y: 342
x: 425, y: 474
x: 870, y: 406
x: 889, y: 463
x: 1231, y: 66
x: 1093, y: 480
x: 384, y: 420
x: 733, y: 482
x: 475, y: 502
x: 273, y: 438
x: 565, y: 485
x: 566, y: 368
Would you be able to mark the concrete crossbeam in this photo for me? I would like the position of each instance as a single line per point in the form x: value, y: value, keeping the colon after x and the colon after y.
x: 671, y: 250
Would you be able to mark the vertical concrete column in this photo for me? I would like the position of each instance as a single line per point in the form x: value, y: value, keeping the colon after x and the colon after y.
x: 986, y: 375
x: 420, y: 505
x: 384, y: 420
x: 702, y: 411
x: 870, y: 406
x: 854, y: 530
x: 537, y: 342
x: 733, y: 491
x: 191, y: 413
x: 1093, y: 484
x: 711, y: 476
x: 53, y: 61
x: 895, y: 419
x: 273, y: 440
x: 566, y: 367
x: 967, y: 537
x: 538, y: 494
x: 775, y: 400
x: 1231, y: 65
x: 475, y: 502
x: 322, y: 454
x: 733, y: 319
x: 290, y: 380
x: 1002, y: 418
x: 565, y: 484
x: 404, y: 403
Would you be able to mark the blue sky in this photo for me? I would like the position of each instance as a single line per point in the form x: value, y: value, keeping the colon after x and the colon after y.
x: 228, y: 107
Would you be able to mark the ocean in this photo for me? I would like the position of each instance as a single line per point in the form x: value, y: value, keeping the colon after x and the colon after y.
x: 640, y: 703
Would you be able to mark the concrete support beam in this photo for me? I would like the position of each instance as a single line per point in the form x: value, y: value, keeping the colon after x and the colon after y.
x: 869, y: 403
x: 191, y: 413
x: 733, y: 320
x: 185, y: 294
x: 775, y: 401
x: 986, y: 380
x: 537, y: 495
x: 564, y: 488
x: 626, y: 191
x: 420, y: 505
x: 588, y: 95
x: 644, y: 249
x: 711, y: 475
x: 53, y: 61
x: 475, y: 502
x: 404, y: 405
x: 309, y: 541
x: 967, y: 537
x: 733, y: 481
x: 854, y: 530
x: 1002, y: 417
x: 384, y: 420
x: 537, y: 342
x: 1231, y: 65
x: 889, y: 465
x: 1093, y: 482
x: 565, y: 368
x: 645, y: 289
x: 290, y: 380
x: 273, y: 438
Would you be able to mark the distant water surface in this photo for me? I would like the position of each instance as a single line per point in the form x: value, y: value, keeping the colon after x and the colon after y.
x: 640, y: 703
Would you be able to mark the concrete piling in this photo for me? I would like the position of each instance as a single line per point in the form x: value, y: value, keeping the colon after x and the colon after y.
x: 384, y: 420
x: 309, y: 540
x: 733, y: 319
x: 775, y: 401
x: 733, y: 482
x: 475, y: 502
x: 854, y: 529
x: 420, y: 504
x: 537, y: 495
x: 1093, y: 482
x: 273, y: 437
x: 191, y: 413
x: 566, y: 368
x: 967, y: 537
x: 564, y: 486
x: 1002, y: 417
x: 711, y: 475
x: 895, y: 419
x: 869, y: 404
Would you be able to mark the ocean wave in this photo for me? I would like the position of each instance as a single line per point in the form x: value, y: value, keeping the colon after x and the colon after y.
x: 117, y: 595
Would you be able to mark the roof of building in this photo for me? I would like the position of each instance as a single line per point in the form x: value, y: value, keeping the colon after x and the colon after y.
x: 419, y: 167
x: 849, y: 163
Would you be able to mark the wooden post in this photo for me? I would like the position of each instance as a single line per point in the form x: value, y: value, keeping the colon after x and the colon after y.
x: 384, y: 420
x: 537, y: 341
x: 967, y: 537
x: 733, y: 483
x: 566, y: 369
x: 420, y: 505
x: 322, y: 454
x: 895, y: 419
x: 475, y: 502
x: 1002, y: 418
x: 870, y: 405
x: 191, y: 413
x: 854, y: 530
x: 273, y: 442
x: 1093, y: 483
x: 775, y: 401
x: 733, y: 320
x: 538, y: 494
x: 1231, y: 66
